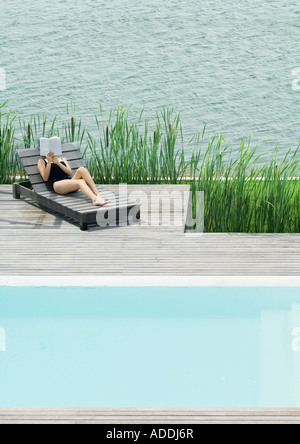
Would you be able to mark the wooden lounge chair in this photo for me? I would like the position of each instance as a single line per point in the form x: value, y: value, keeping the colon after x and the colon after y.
x: 75, y: 206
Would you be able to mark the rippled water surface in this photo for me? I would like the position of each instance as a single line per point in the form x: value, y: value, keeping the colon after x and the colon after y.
x: 220, y: 62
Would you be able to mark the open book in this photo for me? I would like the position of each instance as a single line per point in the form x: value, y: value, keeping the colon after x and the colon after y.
x: 50, y: 145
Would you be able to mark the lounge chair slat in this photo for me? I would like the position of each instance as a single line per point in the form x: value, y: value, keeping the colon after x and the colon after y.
x: 79, y: 197
x: 66, y: 211
x: 30, y: 152
x: 87, y: 206
x: 110, y: 210
x: 83, y: 202
x: 74, y: 206
x: 36, y: 179
x: 69, y: 147
x: 40, y: 188
x: 32, y: 161
x: 74, y: 164
x: 104, y: 193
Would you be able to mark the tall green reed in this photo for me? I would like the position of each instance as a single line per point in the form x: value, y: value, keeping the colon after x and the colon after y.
x: 8, y: 160
x: 241, y: 196
x: 125, y: 151
x: 69, y: 129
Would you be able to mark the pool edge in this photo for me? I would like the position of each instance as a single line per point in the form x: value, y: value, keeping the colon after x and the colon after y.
x: 150, y: 281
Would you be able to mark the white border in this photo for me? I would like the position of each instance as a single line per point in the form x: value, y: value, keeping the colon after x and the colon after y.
x: 149, y: 281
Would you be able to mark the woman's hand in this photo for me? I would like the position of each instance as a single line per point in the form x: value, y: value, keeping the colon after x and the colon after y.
x: 50, y: 156
x: 55, y: 160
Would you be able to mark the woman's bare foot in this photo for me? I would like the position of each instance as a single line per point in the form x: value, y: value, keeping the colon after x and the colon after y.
x: 99, y: 201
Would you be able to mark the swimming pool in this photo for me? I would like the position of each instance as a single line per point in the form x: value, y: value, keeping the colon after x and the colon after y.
x: 150, y: 347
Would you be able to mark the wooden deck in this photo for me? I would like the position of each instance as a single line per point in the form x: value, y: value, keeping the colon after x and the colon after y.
x: 146, y: 249
x: 149, y: 416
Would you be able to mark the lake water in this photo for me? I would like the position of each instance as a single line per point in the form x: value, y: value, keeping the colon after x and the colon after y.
x: 223, y: 63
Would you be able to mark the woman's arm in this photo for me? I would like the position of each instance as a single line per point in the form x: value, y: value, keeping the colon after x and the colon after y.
x: 45, y: 170
x: 66, y: 169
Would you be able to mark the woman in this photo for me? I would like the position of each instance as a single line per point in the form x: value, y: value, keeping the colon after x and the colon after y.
x: 59, y: 174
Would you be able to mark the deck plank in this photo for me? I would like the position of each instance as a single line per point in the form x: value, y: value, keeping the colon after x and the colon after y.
x: 148, y: 416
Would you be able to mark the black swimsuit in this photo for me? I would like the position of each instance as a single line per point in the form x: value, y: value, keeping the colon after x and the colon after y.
x: 57, y: 174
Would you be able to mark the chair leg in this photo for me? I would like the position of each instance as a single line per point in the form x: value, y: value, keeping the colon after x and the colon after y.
x: 83, y: 226
x: 16, y: 193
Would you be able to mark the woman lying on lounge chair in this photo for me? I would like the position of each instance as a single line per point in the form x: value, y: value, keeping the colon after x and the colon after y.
x: 59, y: 174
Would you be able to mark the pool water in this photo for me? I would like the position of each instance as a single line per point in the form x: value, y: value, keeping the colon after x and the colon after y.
x: 150, y: 347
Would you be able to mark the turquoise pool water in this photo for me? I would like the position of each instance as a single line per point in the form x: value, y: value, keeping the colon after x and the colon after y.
x: 150, y: 347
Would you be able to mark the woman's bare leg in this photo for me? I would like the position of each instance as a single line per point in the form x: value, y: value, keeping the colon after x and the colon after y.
x: 82, y: 173
x: 64, y: 187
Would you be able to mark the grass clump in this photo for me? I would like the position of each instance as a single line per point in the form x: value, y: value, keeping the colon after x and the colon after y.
x: 8, y: 160
x: 243, y: 196
x: 125, y: 151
